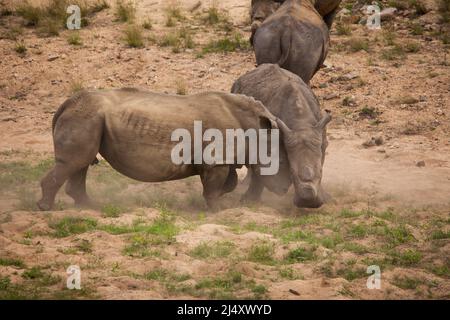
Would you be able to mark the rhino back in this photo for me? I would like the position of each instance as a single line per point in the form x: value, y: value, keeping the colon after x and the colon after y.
x: 282, y: 92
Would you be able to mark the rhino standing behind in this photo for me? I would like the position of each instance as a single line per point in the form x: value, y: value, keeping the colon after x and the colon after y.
x: 295, y: 37
x: 132, y: 130
x: 303, y: 129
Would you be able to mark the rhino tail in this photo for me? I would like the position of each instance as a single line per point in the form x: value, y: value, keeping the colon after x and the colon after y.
x: 285, y: 46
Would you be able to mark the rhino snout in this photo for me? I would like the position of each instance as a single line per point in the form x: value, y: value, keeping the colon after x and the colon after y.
x: 308, y: 197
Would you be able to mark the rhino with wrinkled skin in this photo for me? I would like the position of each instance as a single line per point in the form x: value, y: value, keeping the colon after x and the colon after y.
x: 328, y: 10
x: 303, y: 133
x: 295, y: 37
x: 261, y: 9
x: 132, y: 129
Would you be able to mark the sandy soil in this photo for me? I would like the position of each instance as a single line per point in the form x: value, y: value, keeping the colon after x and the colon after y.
x: 241, y: 251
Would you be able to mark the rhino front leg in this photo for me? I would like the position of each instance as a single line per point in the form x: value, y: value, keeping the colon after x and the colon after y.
x: 214, y: 180
x: 255, y: 188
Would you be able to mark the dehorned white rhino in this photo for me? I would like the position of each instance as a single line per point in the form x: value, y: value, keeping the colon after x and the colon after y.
x: 295, y: 37
x: 303, y: 133
x: 261, y: 9
x: 132, y: 129
x: 327, y: 9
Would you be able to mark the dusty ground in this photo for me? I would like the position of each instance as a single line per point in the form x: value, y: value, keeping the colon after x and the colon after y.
x: 158, y: 240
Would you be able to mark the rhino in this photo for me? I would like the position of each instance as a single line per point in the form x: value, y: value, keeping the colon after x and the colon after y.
x: 328, y: 10
x: 261, y: 9
x: 295, y: 37
x: 303, y: 134
x: 131, y: 129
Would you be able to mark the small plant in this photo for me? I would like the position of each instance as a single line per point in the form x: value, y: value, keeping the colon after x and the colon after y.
x: 300, y: 254
x: 112, y: 211
x: 20, y: 48
x: 181, y: 88
x: 147, y: 24
x: 358, y: 44
x: 76, y: 86
x: 343, y: 29
x: 133, y: 36
x: 262, y: 253
x: 412, y: 47
x: 395, y: 53
x: 72, y: 225
x: 416, y: 29
x: 125, y: 11
x: 173, y: 14
x: 74, y: 39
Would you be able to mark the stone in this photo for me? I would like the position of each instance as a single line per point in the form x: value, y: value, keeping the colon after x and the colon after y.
x: 388, y: 13
x: 53, y: 57
x: 420, y: 163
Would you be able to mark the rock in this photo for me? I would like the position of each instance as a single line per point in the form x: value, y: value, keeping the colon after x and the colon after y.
x: 420, y: 163
x: 381, y: 150
x: 426, y: 6
x: 374, y: 141
x: 294, y: 292
x: 348, y: 76
x: 330, y: 96
x: 349, y: 102
x: 388, y: 13
x: 430, y: 18
x: 52, y: 57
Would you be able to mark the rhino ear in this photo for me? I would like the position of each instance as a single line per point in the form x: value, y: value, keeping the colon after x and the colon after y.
x: 283, y: 127
x: 267, y: 123
x: 326, y: 118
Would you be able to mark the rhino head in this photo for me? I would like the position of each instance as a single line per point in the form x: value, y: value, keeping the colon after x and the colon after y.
x: 260, y: 11
x: 305, y: 150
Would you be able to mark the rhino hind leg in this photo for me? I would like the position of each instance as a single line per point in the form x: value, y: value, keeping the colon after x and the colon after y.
x: 52, y: 182
x: 76, y: 188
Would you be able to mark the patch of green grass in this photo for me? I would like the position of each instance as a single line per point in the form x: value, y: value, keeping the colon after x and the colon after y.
x: 112, y: 211
x: 134, y: 37
x: 42, y: 277
x: 74, y: 39
x: 441, y: 271
x: 351, y: 272
x: 289, y: 273
x: 218, y: 249
x: 358, y: 231
x: 300, y: 254
x: 12, y: 262
x: 215, y: 17
x: 262, y: 253
x: 346, y: 213
x: 142, y: 245
x: 158, y: 274
x: 84, y: 246
x: 125, y: 11
x: 72, y: 225
x: 354, y: 247
x: 227, y: 44
x: 407, y: 283
x: 406, y: 258
x: 397, y: 235
x: 440, y: 234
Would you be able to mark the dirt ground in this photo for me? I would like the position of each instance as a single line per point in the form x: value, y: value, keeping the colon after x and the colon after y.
x: 390, y: 202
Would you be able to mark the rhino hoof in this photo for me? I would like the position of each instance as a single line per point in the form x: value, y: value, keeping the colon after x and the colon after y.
x: 43, y: 206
